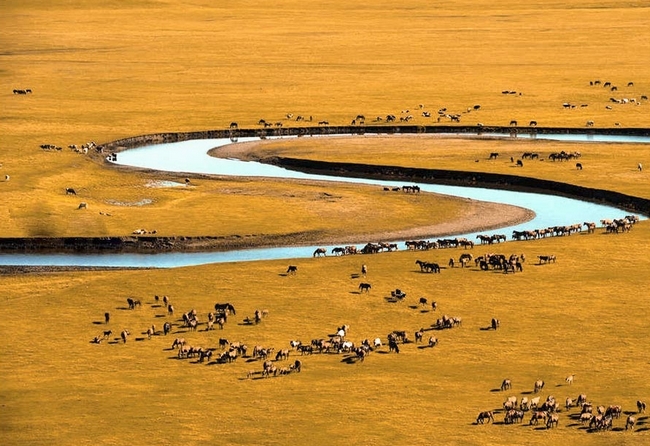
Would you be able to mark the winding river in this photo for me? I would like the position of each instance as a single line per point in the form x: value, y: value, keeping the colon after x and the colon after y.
x: 191, y: 157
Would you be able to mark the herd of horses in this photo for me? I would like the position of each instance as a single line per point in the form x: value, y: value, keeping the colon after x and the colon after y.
x: 548, y: 412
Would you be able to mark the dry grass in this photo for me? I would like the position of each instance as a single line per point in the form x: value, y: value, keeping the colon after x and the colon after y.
x: 105, y: 70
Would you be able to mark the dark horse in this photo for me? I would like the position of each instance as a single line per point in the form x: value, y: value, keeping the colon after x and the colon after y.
x: 224, y: 308
x: 364, y: 287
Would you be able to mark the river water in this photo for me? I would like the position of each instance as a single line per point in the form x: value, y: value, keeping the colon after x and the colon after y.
x: 191, y: 157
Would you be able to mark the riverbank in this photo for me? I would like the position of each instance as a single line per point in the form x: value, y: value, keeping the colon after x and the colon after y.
x: 477, y: 216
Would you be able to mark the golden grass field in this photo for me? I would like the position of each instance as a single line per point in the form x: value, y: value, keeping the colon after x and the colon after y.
x: 107, y: 70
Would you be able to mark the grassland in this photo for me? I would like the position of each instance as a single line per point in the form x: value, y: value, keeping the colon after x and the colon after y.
x: 106, y: 70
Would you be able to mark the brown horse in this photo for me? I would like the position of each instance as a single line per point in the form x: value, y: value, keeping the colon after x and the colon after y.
x: 320, y: 252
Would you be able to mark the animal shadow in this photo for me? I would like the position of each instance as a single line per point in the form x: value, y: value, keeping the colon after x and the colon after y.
x: 495, y: 390
x: 355, y: 276
x: 355, y: 292
x: 98, y: 323
x: 283, y: 274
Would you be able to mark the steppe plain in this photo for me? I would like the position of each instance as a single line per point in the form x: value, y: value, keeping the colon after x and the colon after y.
x: 101, y: 71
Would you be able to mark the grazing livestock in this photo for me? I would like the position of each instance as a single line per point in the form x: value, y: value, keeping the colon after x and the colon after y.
x: 513, y: 123
x: 433, y: 341
x: 70, y: 191
x: 124, y: 335
x: 537, y: 417
x: 363, y: 286
x: 641, y: 406
x: 82, y: 205
x: 552, y: 421
x: 520, y: 163
x: 493, y: 155
x: 484, y: 417
x: 167, y: 328
x: 579, y: 166
x: 539, y: 385
x: 292, y: 269
x: 364, y: 270
x: 107, y: 317
x: 546, y: 259
x: 225, y: 308
x: 569, y: 379
x: 640, y: 167
x: 424, y: 301
x: 495, y: 323
x: 170, y: 310
x: 320, y: 252
x: 506, y: 384
x: 630, y: 422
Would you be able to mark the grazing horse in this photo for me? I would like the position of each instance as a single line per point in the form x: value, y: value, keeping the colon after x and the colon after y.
x: 292, y: 269
x: 70, y: 191
x: 494, y: 155
x: 513, y: 123
x: 320, y: 252
x: 226, y: 308
x: 363, y: 286
x: 485, y: 416
x: 423, y: 301
x: 338, y: 251
x: 546, y: 259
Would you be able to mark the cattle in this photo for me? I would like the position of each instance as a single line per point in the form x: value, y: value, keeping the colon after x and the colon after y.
x: 423, y: 301
x: 107, y: 317
x: 167, y: 328
x: 495, y: 323
x: 70, y: 191
x: 569, y: 379
x: 520, y: 163
x: 506, y: 384
x: 641, y: 406
x: 364, y: 270
x: 532, y: 123
x: 630, y: 422
x: 124, y: 335
x: 539, y: 385
x: 83, y: 205
x: 640, y: 167
x: 579, y: 166
x: 363, y: 286
x: 590, y: 123
x: 493, y: 155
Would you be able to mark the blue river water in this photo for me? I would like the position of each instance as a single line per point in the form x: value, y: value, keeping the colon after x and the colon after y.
x: 191, y: 157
